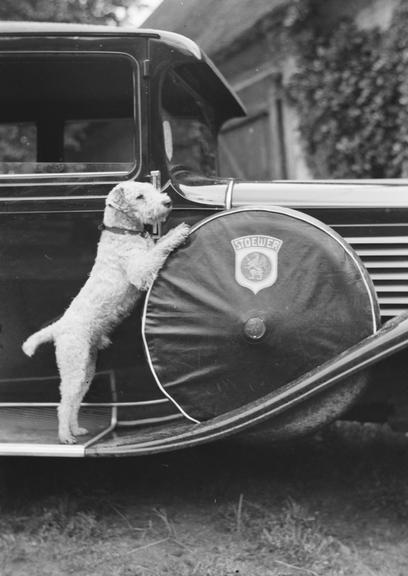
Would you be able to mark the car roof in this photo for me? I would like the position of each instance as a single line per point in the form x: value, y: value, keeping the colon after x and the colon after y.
x: 16, y: 28
x: 172, y: 39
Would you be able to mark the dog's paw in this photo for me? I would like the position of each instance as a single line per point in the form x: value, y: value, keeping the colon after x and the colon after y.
x: 183, y: 230
x: 178, y: 235
x: 80, y: 431
x: 28, y: 347
x: 67, y: 439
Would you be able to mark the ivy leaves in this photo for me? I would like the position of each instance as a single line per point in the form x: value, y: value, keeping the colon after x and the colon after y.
x: 351, y: 92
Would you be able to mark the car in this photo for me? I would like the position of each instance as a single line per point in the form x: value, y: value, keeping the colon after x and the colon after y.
x: 265, y: 323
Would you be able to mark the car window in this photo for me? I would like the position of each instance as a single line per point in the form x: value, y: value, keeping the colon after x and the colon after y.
x: 67, y: 114
x: 188, y: 131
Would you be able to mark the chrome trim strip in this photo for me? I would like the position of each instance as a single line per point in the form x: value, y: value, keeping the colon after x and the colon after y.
x: 51, y: 450
x: 20, y: 199
x: 101, y: 197
x: 385, y: 264
x: 35, y: 176
x: 228, y: 194
x: 125, y: 423
x: 155, y: 178
x: 391, y: 288
x: 53, y: 377
x: 403, y: 300
x: 377, y: 240
x: 105, y: 432
x: 389, y: 312
x: 389, y: 276
x: 83, y: 404
x: 334, y: 194
x: 390, y: 252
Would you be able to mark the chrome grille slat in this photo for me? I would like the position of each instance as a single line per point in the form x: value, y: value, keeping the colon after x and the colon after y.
x: 377, y: 240
x: 388, y: 312
x: 384, y: 263
x: 393, y: 301
x: 391, y: 288
x: 386, y: 259
x: 382, y: 252
x: 389, y: 276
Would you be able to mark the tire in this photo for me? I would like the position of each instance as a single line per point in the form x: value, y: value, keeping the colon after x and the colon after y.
x: 256, y: 298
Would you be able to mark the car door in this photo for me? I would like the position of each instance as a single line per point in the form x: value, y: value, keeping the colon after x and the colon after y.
x: 70, y: 129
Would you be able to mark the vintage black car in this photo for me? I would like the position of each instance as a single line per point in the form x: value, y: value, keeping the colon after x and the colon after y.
x: 265, y: 323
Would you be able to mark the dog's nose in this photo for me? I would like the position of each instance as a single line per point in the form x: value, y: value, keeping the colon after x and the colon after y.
x: 167, y: 203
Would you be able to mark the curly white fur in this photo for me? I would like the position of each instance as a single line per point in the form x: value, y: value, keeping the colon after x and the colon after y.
x: 125, y: 264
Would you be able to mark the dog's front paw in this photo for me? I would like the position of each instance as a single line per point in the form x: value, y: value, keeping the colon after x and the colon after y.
x: 182, y: 230
x: 177, y: 235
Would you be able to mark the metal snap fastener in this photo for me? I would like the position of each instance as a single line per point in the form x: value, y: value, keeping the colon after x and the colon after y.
x: 254, y: 328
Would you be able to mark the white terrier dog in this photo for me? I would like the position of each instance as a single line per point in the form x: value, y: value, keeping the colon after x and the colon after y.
x: 126, y: 263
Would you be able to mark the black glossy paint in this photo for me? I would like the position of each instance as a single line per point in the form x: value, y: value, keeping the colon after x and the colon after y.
x: 48, y: 224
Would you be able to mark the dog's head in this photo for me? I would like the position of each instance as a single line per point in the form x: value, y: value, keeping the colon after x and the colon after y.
x: 139, y: 201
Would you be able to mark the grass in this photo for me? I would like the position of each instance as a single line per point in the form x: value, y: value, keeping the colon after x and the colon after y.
x: 331, y: 505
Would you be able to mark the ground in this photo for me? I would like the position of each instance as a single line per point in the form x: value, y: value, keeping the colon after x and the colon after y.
x: 333, y: 504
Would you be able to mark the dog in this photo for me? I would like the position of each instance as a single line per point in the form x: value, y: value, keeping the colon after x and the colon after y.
x: 126, y: 264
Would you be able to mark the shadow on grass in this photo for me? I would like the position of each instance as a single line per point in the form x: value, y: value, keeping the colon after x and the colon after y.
x: 346, y: 457
x: 311, y: 504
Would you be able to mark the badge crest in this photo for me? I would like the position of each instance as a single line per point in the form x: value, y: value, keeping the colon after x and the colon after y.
x: 256, y: 261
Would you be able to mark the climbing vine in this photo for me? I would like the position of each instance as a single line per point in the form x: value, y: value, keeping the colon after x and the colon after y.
x: 351, y: 93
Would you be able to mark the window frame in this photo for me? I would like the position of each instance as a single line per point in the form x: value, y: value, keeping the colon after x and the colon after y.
x: 204, y: 106
x: 89, y: 177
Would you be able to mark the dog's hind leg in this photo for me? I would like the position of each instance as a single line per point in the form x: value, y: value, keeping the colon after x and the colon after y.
x: 73, y: 354
x: 89, y: 374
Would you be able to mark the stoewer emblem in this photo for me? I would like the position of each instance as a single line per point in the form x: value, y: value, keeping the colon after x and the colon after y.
x: 256, y: 261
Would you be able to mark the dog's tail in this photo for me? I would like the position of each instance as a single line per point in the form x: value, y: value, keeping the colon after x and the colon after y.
x: 31, y: 344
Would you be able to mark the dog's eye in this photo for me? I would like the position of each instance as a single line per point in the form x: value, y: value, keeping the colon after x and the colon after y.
x: 139, y: 196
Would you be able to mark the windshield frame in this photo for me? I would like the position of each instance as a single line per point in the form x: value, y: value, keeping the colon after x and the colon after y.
x: 178, y: 172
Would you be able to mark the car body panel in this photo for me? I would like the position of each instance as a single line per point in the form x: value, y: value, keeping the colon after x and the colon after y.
x: 49, y: 233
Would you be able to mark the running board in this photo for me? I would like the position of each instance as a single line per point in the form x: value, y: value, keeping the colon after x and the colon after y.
x: 390, y: 339
x: 50, y: 450
x: 32, y: 431
x: 110, y: 440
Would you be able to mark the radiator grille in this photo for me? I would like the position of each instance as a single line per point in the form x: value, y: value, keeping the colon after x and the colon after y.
x: 386, y: 259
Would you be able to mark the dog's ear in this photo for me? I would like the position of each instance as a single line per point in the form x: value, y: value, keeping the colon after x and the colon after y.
x: 116, y: 198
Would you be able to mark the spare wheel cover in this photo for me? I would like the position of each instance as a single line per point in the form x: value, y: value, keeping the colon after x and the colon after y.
x: 255, y: 298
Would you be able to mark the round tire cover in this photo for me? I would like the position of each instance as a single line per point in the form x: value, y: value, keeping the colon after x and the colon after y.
x: 255, y: 298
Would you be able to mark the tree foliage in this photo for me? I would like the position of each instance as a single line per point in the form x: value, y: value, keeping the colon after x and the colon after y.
x: 81, y: 11
x: 351, y: 92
